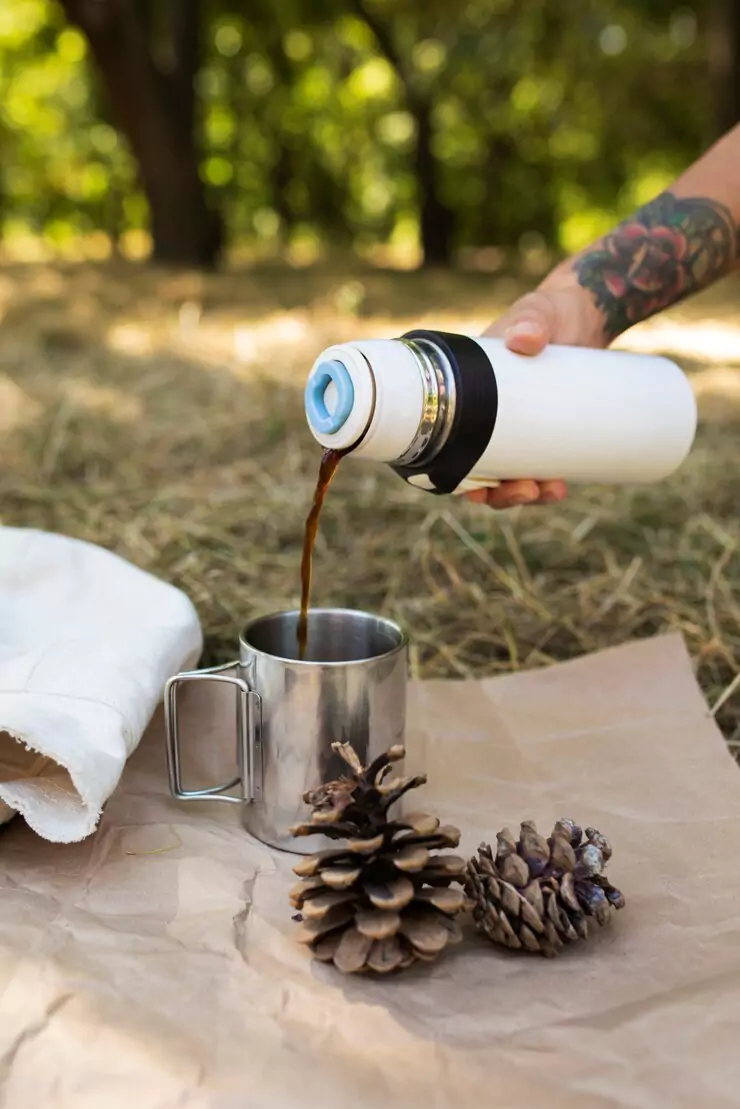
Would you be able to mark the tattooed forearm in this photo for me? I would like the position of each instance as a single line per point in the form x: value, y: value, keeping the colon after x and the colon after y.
x: 670, y: 248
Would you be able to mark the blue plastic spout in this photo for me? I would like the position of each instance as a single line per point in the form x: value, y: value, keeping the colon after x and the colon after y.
x: 319, y: 417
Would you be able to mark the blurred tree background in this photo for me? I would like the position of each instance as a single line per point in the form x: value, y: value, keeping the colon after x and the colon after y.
x: 414, y: 130
x: 157, y: 410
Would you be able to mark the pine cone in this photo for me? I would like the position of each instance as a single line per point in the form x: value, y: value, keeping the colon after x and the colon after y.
x: 382, y: 899
x: 539, y: 894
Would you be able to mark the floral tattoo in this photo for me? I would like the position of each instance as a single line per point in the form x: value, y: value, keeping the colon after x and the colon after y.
x: 670, y: 248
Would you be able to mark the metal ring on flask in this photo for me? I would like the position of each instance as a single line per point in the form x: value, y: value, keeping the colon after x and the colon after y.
x: 438, y: 410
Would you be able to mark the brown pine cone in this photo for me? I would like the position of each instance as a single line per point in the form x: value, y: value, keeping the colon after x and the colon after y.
x: 539, y: 894
x: 382, y: 899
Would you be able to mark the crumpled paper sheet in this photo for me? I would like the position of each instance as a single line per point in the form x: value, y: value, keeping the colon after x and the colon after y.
x: 154, y: 966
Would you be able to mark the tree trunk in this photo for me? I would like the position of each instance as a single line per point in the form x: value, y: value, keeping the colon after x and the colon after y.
x: 436, y: 220
x: 155, y: 111
x: 724, y: 63
x: 281, y: 175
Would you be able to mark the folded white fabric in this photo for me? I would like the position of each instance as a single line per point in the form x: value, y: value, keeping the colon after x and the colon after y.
x: 87, y: 642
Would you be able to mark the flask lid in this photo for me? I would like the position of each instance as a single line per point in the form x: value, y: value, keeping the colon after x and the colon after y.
x: 329, y: 397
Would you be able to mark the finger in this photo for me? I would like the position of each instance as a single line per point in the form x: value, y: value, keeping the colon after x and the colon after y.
x: 552, y: 491
x: 477, y: 496
x: 527, y: 336
x: 527, y: 326
x: 512, y: 493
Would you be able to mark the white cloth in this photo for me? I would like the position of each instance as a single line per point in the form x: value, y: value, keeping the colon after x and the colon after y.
x: 87, y: 642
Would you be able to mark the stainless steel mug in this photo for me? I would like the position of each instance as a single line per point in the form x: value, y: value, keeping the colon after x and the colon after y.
x: 350, y: 686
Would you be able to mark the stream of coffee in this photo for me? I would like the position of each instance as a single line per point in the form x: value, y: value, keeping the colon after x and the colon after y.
x: 327, y: 469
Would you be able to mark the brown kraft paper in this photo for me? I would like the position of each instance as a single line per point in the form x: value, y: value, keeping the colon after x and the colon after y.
x: 154, y: 966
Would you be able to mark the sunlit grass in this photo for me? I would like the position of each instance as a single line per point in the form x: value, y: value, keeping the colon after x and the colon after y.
x: 160, y: 414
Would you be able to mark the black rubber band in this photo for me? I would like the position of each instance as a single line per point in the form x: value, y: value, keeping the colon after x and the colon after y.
x: 476, y: 406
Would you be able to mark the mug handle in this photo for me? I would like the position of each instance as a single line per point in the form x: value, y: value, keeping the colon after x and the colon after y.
x: 248, y: 746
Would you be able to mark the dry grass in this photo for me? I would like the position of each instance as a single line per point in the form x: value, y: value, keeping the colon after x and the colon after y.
x: 161, y: 416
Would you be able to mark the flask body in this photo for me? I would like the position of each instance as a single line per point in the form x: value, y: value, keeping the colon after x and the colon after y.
x: 452, y: 413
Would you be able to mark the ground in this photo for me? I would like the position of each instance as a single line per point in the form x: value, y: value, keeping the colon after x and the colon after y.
x: 161, y: 415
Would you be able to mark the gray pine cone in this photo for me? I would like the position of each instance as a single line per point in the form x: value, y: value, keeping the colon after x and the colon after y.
x: 539, y: 894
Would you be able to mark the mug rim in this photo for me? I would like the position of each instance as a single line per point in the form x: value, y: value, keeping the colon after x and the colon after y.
x: 402, y: 645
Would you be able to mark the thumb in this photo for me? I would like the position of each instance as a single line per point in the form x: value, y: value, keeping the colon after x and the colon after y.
x: 526, y: 328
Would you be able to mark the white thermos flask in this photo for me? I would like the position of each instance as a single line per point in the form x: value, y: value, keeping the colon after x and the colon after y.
x: 451, y: 413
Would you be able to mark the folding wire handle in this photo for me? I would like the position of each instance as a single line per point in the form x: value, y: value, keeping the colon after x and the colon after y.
x: 248, y: 740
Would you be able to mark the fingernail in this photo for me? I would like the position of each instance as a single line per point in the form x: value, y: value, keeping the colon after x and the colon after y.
x: 521, y: 498
x: 523, y: 329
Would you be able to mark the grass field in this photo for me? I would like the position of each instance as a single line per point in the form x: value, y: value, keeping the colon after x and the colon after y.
x: 161, y: 415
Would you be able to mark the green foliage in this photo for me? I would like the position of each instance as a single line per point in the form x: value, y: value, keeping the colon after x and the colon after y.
x: 549, y: 120
x: 60, y: 160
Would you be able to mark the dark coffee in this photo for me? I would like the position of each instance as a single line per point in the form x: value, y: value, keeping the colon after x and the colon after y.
x: 327, y: 469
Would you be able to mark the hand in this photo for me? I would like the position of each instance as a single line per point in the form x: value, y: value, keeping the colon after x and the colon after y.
x: 564, y: 313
